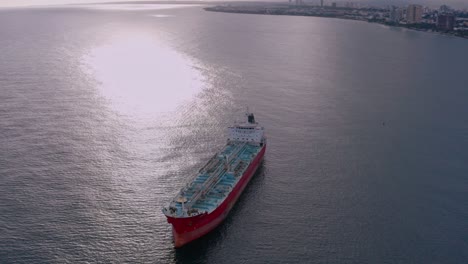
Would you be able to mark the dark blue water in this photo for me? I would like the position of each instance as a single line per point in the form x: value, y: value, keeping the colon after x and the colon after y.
x: 105, y: 112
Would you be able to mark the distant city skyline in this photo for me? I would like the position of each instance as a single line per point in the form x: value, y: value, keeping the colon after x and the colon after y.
x: 461, y: 4
x: 433, y: 3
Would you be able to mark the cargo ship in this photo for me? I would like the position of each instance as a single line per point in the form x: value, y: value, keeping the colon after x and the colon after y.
x: 204, y: 203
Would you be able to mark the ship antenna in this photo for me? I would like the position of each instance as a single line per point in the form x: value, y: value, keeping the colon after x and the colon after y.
x: 227, y: 163
x: 183, y: 209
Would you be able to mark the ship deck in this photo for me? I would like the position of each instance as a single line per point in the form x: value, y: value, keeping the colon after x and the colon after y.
x: 214, y: 181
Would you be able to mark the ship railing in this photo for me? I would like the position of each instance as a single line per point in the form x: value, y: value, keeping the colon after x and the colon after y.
x: 239, y: 149
x: 235, y: 153
x: 210, y: 164
x: 214, y: 177
x: 240, y: 166
x: 206, y: 186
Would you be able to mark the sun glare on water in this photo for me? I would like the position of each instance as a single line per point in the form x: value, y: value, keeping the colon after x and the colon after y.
x: 139, y: 75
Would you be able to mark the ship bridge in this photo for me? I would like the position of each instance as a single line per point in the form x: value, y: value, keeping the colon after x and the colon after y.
x: 249, y: 131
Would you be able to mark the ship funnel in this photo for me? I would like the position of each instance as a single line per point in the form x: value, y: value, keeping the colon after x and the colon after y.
x: 250, y: 118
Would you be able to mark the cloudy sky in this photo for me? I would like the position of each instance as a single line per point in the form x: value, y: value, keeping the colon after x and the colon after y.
x: 433, y: 3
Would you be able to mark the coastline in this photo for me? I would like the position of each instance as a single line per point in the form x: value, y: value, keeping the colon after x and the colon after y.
x: 310, y: 11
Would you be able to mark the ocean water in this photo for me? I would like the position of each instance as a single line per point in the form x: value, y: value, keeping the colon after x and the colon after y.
x: 106, y: 110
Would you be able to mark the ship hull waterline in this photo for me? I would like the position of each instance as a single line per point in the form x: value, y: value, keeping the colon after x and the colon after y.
x: 188, y: 229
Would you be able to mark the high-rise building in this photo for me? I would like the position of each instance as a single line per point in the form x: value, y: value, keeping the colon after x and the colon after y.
x: 394, y: 15
x: 445, y: 21
x: 321, y: 3
x: 444, y: 8
x: 414, y: 14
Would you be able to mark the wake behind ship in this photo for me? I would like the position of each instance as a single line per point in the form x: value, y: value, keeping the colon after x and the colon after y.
x: 205, y: 202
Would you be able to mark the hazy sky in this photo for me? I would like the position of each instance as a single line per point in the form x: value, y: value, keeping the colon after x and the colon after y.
x: 434, y: 3
x: 45, y: 2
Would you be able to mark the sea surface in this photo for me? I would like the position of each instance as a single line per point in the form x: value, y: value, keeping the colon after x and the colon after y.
x: 107, y: 110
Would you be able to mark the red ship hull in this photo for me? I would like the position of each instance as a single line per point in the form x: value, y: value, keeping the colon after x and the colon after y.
x: 188, y: 229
